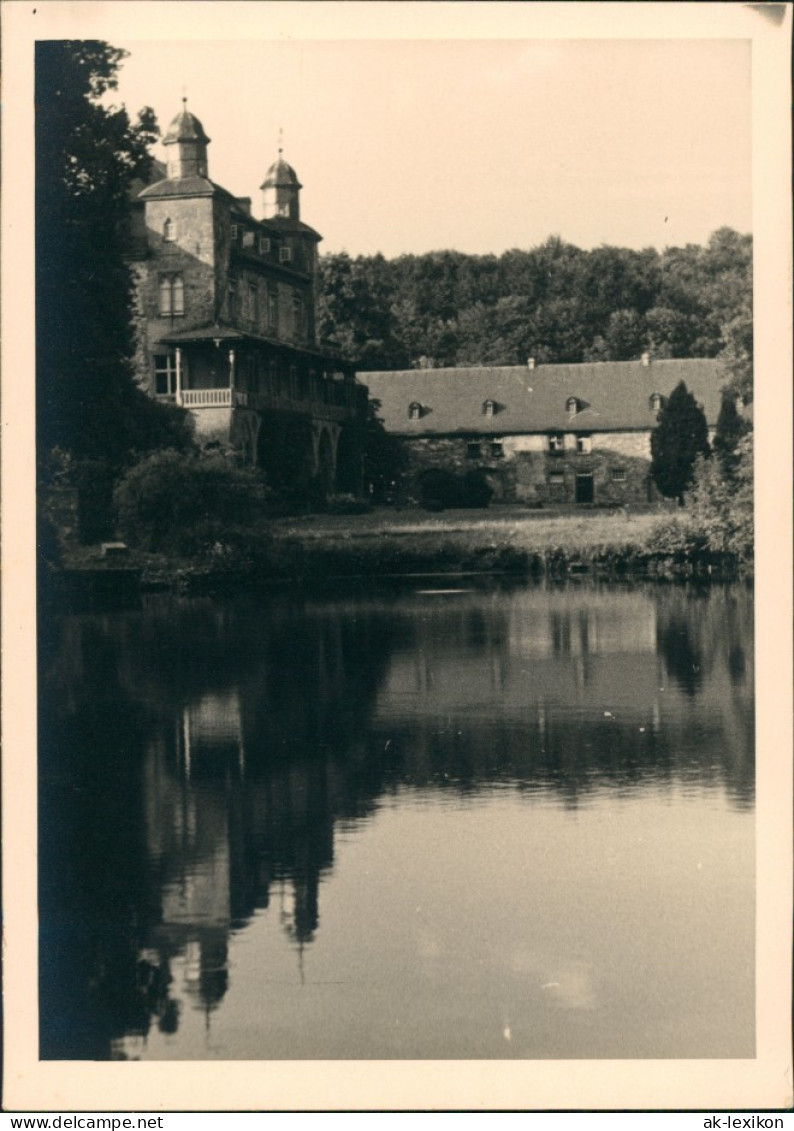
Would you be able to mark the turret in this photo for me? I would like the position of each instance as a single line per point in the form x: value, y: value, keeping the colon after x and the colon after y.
x: 281, y: 191
x: 186, y: 145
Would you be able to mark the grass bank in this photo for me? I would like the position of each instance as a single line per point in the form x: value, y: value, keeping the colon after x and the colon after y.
x: 509, y: 540
x: 313, y: 548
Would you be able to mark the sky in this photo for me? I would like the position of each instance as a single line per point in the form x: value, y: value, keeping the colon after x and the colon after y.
x: 478, y: 145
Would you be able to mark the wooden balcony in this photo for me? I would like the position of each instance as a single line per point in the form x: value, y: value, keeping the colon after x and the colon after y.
x: 205, y: 398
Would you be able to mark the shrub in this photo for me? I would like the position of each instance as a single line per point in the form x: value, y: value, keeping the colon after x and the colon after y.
x: 94, y: 479
x: 474, y: 489
x: 440, y: 488
x: 718, y: 513
x: 346, y: 504
x: 172, y: 502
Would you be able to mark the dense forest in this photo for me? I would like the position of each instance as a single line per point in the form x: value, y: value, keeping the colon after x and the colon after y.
x: 554, y: 302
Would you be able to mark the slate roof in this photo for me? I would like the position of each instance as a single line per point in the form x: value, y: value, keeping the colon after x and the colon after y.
x: 203, y: 186
x: 611, y: 396
x: 281, y: 175
x: 184, y: 186
x: 185, y: 127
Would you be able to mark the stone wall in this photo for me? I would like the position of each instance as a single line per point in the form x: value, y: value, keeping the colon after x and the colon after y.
x: 522, y: 469
x: 212, y: 424
x: 191, y: 254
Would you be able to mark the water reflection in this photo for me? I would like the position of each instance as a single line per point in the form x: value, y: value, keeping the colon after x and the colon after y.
x: 202, y: 762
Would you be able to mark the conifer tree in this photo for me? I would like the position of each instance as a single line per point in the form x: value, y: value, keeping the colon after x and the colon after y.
x: 680, y: 436
x: 731, y: 428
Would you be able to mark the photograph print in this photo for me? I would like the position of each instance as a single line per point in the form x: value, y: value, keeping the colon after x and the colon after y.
x: 395, y: 548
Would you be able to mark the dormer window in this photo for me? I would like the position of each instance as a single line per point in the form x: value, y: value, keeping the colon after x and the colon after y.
x: 169, y: 231
x: 285, y: 255
x: 655, y: 401
x: 488, y: 408
x: 414, y: 411
x: 572, y: 406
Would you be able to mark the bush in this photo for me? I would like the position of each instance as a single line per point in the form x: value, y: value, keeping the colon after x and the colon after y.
x: 718, y: 513
x: 474, y: 489
x: 176, y: 503
x: 440, y: 488
x: 94, y: 479
x: 346, y: 504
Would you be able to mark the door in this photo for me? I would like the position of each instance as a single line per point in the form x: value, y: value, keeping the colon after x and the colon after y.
x: 584, y: 489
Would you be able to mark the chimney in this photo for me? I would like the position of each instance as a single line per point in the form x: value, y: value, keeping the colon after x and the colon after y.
x: 530, y: 363
x: 645, y: 358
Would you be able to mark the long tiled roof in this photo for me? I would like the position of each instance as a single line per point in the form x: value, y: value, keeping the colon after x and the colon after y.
x: 610, y: 396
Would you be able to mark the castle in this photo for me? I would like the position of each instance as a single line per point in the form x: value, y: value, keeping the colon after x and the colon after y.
x: 226, y: 317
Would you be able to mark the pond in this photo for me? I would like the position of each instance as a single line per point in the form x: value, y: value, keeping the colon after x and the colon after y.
x: 443, y: 820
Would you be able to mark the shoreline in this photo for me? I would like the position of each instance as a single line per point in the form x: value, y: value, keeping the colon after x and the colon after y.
x: 312, y: 550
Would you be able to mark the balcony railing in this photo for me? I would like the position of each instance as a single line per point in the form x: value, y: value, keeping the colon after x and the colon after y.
x: 206, y: 398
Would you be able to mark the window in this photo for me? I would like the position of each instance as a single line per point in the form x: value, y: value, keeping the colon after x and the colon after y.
x: 414, y: 411
x: 297, y: 315
x: 264, y: 245
x: 165, y: 374
x: 233, y: 230
x: 618, y: 474
x: 285, y: 255
x: 584, y: 444
x: 488, y: 408
x: 272, y: 309
x: 556, y: 441
x: 233, y: 297
x: 556, y: 479
x: 172, y: 295
x: 248, y: 239
x: 496, y: 449
x: 251, y: 375
x: 169, y: 231
x: 473, y: 449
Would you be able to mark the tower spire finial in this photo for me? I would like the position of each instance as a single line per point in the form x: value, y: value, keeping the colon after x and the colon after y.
x: 280, y: 140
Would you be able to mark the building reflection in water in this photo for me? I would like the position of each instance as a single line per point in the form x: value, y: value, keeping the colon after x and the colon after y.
x: 299, y: 718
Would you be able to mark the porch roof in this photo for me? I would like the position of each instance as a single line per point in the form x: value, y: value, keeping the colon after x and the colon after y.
x: 204, y: 334
x: 200, y: 335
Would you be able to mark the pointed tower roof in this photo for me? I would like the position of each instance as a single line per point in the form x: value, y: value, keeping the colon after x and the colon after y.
x: 281, y: 175
x: 185, y: 127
